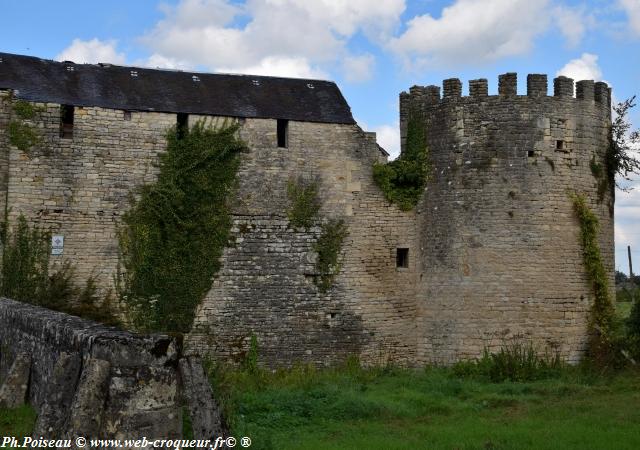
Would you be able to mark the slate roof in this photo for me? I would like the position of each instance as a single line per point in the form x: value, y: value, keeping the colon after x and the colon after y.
x: 140, y: 89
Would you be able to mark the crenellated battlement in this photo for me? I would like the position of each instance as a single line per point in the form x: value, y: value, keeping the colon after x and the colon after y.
x: 563, y: 87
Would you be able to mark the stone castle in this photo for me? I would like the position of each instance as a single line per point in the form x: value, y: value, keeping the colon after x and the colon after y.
x: 490, y: 253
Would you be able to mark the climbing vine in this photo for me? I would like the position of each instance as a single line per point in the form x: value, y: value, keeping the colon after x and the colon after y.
x: 602, y: 311
x: 173, y: 236
x: 22, y: 133
x: 404, y: 179
x: 304, y: 202
x: 328, y: 247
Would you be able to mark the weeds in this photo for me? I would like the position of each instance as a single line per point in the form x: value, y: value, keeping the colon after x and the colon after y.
x: 24, y: 276
x: 518, y: 361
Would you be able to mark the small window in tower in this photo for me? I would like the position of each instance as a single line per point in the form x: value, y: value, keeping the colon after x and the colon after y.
x: 66, y: 121
x: 402, y: 258
x: 127, y: 115
x: 283, y: 138
x: 531, y: 153
x: 182, y: 125
x: 559, y: 145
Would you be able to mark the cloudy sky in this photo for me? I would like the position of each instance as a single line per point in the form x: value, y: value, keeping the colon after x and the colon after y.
x: 373, y: 49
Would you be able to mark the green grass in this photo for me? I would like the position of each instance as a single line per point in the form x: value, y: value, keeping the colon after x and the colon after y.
x: 623, y: 309
x: 17, y: 422
x: 433, y: 409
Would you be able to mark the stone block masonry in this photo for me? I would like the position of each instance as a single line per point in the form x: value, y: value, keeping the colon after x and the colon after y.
x: 88, y: 380
x: 490, y: 254
x: 500, y: 241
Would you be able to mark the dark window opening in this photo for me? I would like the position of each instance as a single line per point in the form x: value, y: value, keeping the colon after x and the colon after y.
x: 559, y: 145
x: 402, y: 258
x: 182, y: 125
x: 127, y: 115
x: 531, y: 153
x: 66, y: 121
x: 283, y: 126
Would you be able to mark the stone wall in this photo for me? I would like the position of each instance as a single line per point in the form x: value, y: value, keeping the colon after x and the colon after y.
x: 80, y: 187
x: 85, y: 379
x: 493, y: 245
x: 502, y: 256
x: 266, y: 284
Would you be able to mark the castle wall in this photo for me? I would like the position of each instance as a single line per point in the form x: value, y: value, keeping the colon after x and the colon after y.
x: 266, y: 283
x: 80, y: 187
x: 502, y: 256
x: 4, y: 153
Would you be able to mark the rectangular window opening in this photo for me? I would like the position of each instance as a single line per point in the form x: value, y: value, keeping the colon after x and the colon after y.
x: 182, y: 125
x: 66, y: 121
x: 283, y: 137
x: 531, y: 153
x: 559, y: 145
x: 127, y: 115
x: 402, y: 258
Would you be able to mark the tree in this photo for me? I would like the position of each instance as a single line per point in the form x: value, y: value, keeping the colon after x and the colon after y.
x: 621, y: 160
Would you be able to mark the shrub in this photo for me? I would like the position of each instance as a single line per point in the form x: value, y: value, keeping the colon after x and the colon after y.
x: 403, y: 180
x: 25, y: 262
x: 24, y: 276
x: 518, y: 361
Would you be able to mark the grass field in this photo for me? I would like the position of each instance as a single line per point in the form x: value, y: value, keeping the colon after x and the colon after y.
x: 432, y: 409
x: 390, y: 408
x: 16, y: 422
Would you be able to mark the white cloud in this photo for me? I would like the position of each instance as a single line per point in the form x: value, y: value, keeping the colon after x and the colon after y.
x: 632, y: 8
x: 473, y: 31
x: 583, y: 68
x: 93, y: 51
x: 280, y: 67
x: 627, y: 217
x: 572, y: 23
x: 162, y: 62
x: 388, y: 137
x: 358, y: 68
x: 268, y: 33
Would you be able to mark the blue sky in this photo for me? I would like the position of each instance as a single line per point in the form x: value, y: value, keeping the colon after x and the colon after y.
x: 372, y: 49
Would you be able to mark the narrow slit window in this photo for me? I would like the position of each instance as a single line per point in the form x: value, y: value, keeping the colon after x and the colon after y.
x: 402, y: 258
x: 182, y: 125
x: 66, y: 121
x: 559, y: 145
x: 283, y: 131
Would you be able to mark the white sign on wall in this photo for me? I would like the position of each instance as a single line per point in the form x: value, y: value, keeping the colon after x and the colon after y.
x: 57, y: 244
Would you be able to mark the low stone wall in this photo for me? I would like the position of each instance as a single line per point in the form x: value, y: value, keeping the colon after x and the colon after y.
x: 85, y: 379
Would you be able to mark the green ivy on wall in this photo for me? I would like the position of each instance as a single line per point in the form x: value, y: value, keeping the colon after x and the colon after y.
x: 22, y: 134
x: 404, y: 179
x: 602, y: 311
x: 173, y: 237
x: 304, y: 202
x: 328, y: 247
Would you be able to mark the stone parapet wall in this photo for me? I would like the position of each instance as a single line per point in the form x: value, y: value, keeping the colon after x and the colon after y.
x: 86, y: 379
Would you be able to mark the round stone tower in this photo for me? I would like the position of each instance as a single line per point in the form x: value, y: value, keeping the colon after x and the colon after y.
x: 500, y: 254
